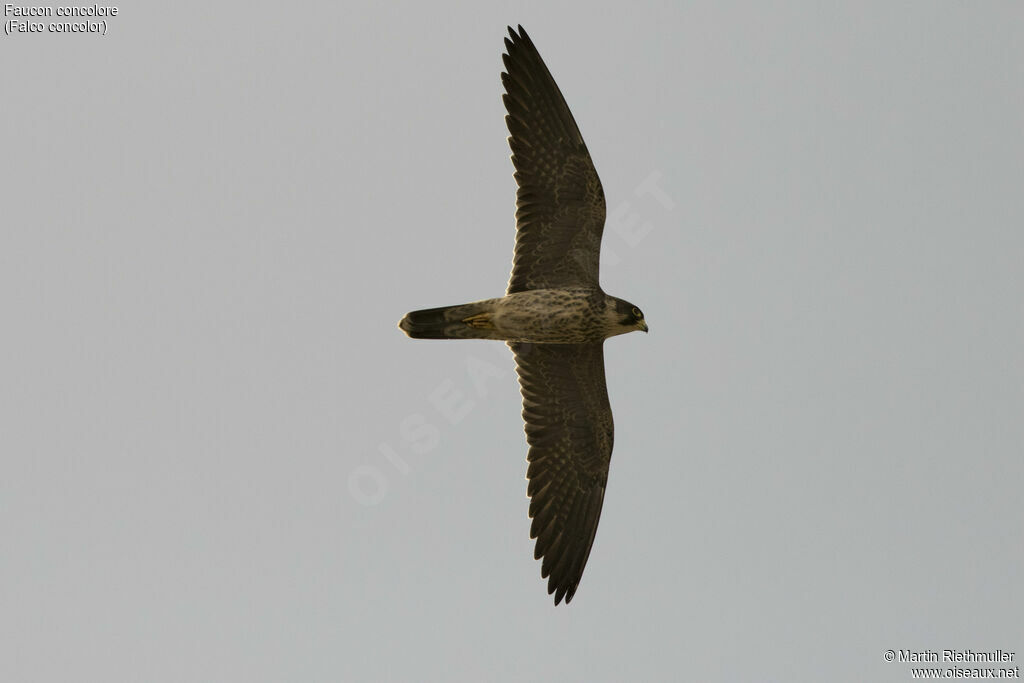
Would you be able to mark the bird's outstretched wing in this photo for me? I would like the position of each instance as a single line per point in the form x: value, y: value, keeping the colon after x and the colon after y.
x: 560, y: 208
x: 570, y: 432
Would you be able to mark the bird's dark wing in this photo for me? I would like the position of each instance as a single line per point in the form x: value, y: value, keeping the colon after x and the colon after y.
x: 560, y: 207
x: 570, y: 432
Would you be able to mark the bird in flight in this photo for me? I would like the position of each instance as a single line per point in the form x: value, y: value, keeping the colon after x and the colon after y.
x: 554, y: 316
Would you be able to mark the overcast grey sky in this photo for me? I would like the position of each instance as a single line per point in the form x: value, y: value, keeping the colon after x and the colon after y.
x: 222, y: 461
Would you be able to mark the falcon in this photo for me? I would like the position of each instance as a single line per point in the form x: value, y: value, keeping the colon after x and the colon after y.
x: 554, y: 316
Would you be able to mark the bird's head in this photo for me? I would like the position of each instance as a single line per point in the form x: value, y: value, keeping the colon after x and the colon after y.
x: 629, y: 317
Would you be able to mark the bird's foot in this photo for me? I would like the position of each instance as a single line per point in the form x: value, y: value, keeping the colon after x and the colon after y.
x: 480, y: 321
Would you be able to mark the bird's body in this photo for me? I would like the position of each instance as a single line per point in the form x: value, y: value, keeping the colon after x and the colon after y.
x: 554, y: 316
x: 573, y: 315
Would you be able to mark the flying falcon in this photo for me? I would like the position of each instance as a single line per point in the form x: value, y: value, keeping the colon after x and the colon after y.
x: 554, y: 316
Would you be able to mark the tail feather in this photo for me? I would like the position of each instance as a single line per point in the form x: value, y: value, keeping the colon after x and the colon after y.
x: 446, y: 322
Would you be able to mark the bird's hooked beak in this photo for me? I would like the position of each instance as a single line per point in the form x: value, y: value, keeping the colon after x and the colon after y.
x: 641, y: 325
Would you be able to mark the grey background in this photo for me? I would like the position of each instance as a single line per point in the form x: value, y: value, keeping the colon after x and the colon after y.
x: 221, y: 461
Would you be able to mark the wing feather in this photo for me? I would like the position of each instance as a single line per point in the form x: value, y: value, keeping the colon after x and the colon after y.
x: 560, y: 206
x: 570, y: 432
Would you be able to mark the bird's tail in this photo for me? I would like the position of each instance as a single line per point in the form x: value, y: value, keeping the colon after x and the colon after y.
x: 466, y: 321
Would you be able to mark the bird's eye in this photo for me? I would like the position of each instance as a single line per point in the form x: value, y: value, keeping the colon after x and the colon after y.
x: 637, y: 313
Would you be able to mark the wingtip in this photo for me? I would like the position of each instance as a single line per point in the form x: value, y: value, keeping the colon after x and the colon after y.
x: 518, y: 33
x: 563, y: 593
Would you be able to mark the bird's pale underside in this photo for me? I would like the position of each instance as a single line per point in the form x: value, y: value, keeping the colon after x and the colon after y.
x: 554, y: 316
